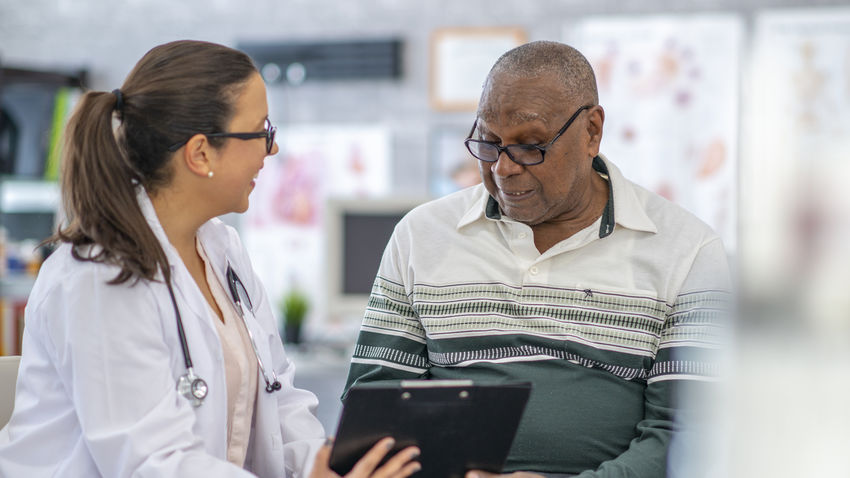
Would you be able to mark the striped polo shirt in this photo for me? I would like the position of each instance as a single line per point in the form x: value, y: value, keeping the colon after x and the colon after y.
x: 605, y: 324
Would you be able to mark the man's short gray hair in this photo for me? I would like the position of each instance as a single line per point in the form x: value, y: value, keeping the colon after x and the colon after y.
x: 541, y: 58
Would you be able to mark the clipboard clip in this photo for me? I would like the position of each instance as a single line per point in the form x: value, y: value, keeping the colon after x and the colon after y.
x: 432, y: 384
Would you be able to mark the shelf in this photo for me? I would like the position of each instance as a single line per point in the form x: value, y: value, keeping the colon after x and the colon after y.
x: 28, y: 196
x: 16, y: 286
x: 10, y: 75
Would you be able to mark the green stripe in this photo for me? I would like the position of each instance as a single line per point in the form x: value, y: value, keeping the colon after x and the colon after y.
x: 468, y: 323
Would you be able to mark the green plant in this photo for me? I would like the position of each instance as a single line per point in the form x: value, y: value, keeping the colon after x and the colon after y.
x: 294, y: 306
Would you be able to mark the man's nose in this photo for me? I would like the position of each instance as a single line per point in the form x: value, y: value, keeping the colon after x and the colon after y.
x: 505, y: 166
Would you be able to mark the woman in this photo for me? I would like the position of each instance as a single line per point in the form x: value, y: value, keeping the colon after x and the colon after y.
x: 149, y: 292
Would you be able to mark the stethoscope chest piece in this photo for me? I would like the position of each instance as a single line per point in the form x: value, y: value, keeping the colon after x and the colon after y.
x: 272, y: 386
x: 192, y: 387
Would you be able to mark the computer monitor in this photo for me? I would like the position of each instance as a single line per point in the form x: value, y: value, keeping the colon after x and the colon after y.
x: 357, y: 232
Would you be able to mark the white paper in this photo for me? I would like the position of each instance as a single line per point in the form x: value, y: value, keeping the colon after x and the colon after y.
x: 669, y: 86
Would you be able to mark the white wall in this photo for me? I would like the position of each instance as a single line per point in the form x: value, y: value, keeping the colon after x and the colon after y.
x: 108, y: 37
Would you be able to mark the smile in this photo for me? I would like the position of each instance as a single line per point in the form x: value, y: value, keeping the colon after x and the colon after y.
x: 516, y: 194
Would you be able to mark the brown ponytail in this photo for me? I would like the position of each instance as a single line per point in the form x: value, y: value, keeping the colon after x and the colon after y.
x: 175, y: 91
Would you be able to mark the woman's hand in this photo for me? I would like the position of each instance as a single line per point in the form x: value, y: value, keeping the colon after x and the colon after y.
x: 399, y: 466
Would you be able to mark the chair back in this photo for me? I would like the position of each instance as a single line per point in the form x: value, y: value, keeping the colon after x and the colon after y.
x: 8, y: 377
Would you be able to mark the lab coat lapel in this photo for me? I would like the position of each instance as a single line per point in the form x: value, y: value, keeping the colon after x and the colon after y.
x: 265, y: 456
x: 219, y: 256
x: 182, y: 282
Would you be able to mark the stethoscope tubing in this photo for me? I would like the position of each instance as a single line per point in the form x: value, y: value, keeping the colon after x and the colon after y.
x: 233, y: 283
x: 181, y: 334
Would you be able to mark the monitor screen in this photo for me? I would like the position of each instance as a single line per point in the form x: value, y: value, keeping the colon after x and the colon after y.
x: 357, y: 234
x: 365, y: 235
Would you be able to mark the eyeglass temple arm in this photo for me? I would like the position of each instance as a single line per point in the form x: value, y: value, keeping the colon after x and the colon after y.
x: 474, y: 125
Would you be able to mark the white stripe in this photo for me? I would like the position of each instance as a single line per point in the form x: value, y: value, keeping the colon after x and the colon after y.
x: 385, y: 363
x: 705, y: 325
x: 384, y: 316
x: 396, y: 332
x: 524, y: 322
x: 531, y: 358
x: 681, y: 376
x: 698, y: 308
x: 691, y: 343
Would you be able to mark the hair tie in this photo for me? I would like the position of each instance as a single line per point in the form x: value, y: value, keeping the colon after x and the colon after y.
x: 119, y: 100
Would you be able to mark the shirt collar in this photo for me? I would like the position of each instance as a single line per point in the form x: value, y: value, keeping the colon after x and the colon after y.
x: 630, y: 211
x: 479, y: 207
x: 146, y: 205
x: 148, y: 211
x: 214, y: 244
x: 622, y: 199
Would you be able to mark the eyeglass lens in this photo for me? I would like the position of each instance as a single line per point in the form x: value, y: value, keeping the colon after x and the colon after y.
x: 520, y: 153
x: 270, y: 130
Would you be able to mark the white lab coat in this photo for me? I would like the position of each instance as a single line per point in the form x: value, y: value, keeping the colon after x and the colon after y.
x: 96, y: 389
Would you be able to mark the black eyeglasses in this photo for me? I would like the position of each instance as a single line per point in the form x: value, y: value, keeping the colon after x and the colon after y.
x: 524, y: 154
x: 268, y: 134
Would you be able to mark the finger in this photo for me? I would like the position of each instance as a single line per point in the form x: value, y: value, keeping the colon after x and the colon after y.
x: 394, y: 466
x: 408, y: 470
x: 366, y: 465
x: 324, y: 454
x: 485, y: 474
x: 479, y: 474
x: 321, y: 467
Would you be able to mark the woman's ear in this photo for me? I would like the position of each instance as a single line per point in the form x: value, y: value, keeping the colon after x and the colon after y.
x: 595, y: 120
x: 196, y: 155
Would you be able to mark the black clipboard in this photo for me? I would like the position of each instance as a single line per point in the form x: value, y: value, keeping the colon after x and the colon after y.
x: 457, y: 424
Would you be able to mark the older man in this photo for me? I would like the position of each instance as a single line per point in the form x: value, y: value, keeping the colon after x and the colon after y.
x: 556, y: 270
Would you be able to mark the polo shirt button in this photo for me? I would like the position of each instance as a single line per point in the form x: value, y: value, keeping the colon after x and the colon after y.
x: 522, y: 235
x: 533, y: 271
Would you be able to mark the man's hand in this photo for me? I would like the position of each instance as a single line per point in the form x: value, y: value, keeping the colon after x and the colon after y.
x: 517, y: 474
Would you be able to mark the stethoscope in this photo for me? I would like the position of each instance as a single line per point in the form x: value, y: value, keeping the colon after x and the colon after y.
x: 193, y: 387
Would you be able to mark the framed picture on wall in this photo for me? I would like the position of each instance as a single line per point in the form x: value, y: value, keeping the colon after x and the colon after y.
x: 450, y: 166
x: 460, y: 61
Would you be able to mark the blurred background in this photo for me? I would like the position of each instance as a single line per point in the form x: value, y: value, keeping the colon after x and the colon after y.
x: 739, y: 110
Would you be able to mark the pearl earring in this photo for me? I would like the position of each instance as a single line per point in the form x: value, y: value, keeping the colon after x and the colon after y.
x: 210, y: 174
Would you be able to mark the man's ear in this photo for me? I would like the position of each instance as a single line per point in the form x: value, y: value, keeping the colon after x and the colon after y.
x: 196, y: 155
x: 595, y: 120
